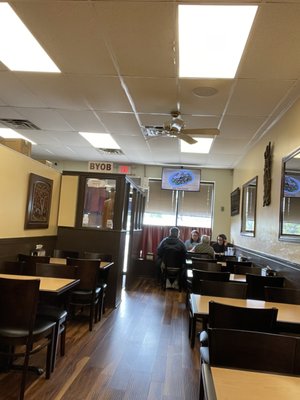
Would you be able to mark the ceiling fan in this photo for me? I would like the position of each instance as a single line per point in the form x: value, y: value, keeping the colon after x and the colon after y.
x: 176, y: 128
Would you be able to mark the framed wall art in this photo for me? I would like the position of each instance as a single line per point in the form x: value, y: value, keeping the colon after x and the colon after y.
x: 38, y: 202
x: 235, y: 202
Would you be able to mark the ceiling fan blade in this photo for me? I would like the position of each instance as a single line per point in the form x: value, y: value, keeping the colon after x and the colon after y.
x: 186, y: 138
x: 202, y: 132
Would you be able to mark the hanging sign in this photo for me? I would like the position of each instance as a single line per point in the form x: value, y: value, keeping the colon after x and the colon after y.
x: 97, y: 166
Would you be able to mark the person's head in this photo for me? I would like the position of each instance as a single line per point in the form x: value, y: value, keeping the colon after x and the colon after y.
x: 174, y: 232
x: 205, y: 239
x: 221, y: 239
x: 195, y: 236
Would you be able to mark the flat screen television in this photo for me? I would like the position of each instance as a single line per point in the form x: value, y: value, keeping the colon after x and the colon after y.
x: 291, y: 185
x: 181, y: 179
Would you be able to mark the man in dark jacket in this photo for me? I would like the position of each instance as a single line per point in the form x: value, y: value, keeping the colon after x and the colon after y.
x: 171, y: 252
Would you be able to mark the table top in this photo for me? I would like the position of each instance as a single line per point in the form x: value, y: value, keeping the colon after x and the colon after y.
x: 237, y: 384
x: 286, y: 312
x: 55, y: 260
x: 51, y: 285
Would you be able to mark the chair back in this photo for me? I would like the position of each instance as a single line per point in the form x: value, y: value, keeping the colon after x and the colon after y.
x: 172, y: 258
x: 30, y: 263
x: 257, y: 283
x: 204, y: 260
x: 251, y: 319
x: 103, y: 257
x: 206, y: 266
x: 282, y: 295
x: 236, y: 290
x: 56, y: 270
x: 18, y: 303
x: 230, y: 264
x: 58, y: 253
x: 12, y: 267
x: 205, y: 256
x: 258, y: 351
x: 87, y: 272
x: 199, y: 275
x: 244, y: 269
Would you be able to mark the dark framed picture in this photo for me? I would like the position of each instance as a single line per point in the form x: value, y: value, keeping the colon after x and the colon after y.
x: 38, y: 202
x: 235, y: 202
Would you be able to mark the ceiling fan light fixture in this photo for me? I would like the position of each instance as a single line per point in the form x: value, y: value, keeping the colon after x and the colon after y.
x: 177, y: 124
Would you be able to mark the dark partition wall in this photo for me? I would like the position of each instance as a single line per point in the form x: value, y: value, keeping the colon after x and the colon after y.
x: 108, y: 218
x: 98, y: 241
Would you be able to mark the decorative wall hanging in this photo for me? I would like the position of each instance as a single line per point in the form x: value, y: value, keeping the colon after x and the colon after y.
x: 38, y: 202
x: 235, y: 202
x: 267, y: 175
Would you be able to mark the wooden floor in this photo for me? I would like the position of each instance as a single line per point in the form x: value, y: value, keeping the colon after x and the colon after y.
x: 140, y: 351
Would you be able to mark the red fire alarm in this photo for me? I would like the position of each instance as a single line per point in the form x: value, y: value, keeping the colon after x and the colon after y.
x: 124, y: 169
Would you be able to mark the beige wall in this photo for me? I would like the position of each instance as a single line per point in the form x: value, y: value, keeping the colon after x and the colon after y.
x: 285, y: 138
x: 68, y: 201
x: 14, y: 177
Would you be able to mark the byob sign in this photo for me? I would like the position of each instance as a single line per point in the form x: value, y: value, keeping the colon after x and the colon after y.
x: 96, y: 166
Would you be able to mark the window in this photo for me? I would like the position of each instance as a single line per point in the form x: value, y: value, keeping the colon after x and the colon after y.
x: 98, y: 209
x: 167, y: 207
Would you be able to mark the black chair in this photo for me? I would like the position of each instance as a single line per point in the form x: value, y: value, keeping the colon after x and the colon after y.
x: 20, y: 327
x: 87, y: 293
x: 172, y: 268
x: 259, y: 351
x: 94, y: 255
x: 58, y: 253
x: 230, y: 264
x: 257, y: 283
x: 288, y: 296
x: 57, y: 312
x: 12, y: 267
x: 199, y: 276
x: 205, y: 256
x: 103, y: 275
x: 30, y: 263
x: 244, y: 269
x: 282, y: 295
x: 203, y: 266
x: 203, y: 259
x: 232, y: 317
x: 236, y: 290
x: 206, y: 266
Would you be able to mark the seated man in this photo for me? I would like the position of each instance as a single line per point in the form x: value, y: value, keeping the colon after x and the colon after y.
x: 204, y: 247
x: 171, y: 252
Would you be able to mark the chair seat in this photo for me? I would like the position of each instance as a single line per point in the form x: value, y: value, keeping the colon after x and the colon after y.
x: 81, y: 296
x: 51, y: 312
x: 21, y: 335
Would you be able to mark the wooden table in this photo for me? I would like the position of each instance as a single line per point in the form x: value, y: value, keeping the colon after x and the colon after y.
x: 55, y: 260
x: 224, y: 383
x: 287, y: 313
x: 55, y: 286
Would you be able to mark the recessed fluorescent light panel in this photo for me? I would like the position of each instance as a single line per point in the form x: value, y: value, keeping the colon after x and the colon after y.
x: 202, y: 146
x: 8, y: 133
x: 100, y: 140
x: 212, y: 39
x: 19, y: 50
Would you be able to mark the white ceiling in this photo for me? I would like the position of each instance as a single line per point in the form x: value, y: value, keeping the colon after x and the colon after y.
x: 119, y: 66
